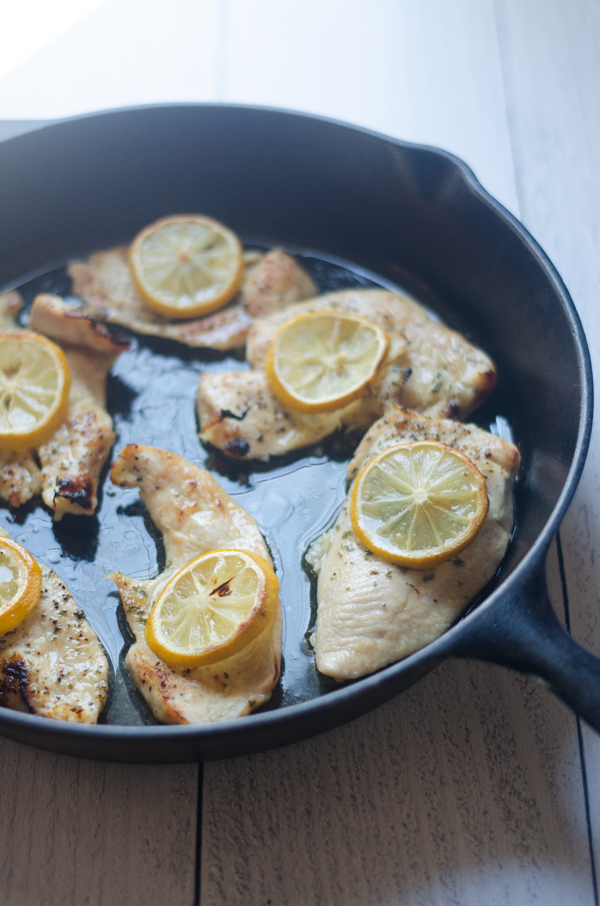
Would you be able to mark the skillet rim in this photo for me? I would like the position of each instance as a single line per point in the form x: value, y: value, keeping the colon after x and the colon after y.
x: 383, y: 681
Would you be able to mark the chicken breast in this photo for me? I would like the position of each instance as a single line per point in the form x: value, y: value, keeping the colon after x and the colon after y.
x: 239, y: 415
x: 71, y: 461
x: 52, y: 664
x: 103, y: 281
x: 274, y: 281
x: 20, y: 477
x: 371, y: 613
x: 66, y: 469
x: 430, y: 369
x: 195, y: 516
x: 11, y: 304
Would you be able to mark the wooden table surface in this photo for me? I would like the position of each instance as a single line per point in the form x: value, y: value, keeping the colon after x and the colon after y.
x: 476, y: 786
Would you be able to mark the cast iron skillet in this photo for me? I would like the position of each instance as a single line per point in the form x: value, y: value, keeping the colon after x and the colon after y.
x: 414, y: 215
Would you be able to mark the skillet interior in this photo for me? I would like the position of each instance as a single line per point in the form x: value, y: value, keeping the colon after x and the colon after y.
x: 412, y: 215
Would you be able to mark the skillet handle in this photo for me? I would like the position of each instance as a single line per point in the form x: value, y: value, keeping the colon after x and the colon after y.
x: 522, y: 631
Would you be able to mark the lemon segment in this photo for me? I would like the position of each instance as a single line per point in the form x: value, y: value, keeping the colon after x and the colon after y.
x: 418, y: 504
x: 187, y: 265
x: 20, y: 584
x: 34, y: 389
x: 212, y: 608
x: 322, y: 361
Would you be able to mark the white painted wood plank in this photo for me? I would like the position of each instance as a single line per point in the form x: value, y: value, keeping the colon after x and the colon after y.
x: 458, y: 792
x: 467, y: 788
x: 466, y: 783
x: 552, y: 65
x: 426, y: 72
x: 125, y: 52
x: 82, y: 833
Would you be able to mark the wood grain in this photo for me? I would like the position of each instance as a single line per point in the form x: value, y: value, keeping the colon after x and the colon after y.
x: 83, y: 833
x: 551, y: 54
x: 460, y: 791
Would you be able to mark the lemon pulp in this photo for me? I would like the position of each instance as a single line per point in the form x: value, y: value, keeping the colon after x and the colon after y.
x: 212, y: 608
x: 34, y: 389
x: 418, y: 504
x: 20, y: 584
x: 187, y: 265
x: 322, y: 361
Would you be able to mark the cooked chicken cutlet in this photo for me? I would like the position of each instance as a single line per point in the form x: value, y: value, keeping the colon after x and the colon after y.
x: 11, y: 304
x: 66, y: 468
x: 104, y: 283
x: 371, y: 613
x: 239, y: 414
x: 71, y: 461
x: 52, y: 664
x: 195, y: 516
x: 430, y: 369
x: 20, y: 477
x: 272, y: 282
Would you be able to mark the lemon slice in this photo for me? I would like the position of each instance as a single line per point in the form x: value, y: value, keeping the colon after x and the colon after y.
x: 20, y: 584
x: 186, y: 266
x: 212, y: 608
x: 418, y: 504
x: 322, y: 361
x: 34, y: 389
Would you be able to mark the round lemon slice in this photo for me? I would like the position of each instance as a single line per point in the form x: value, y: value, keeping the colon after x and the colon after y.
x: 34, y: 389
x: 186, y: 266
x: 322, y: 361
x: 20, y: 584
x: 418, y: 504
x: 212, y: 608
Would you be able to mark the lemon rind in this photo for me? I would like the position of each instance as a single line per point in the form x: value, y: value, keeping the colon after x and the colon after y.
x: 419, y: 560
x: 13, y: 614
x: 296, y: 403
x: 25, y: 440
x: 259, y: 619
x: 200, y: 309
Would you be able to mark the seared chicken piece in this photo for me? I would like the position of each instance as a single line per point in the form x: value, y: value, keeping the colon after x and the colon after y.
x: 195, y: 517
x: 72, y: 459
x: 239, y: 414
x: 11, y: 304
x: 20, y: 477
x: 52, y: 664
x: 274, y: 281
x: 67, y: 325
x: 104, y: 283
x: 430, y: 369
x: 446, y: 374
x: 372, y: 613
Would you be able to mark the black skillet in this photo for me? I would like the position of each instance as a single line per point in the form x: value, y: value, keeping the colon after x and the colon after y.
x: 414, y: 216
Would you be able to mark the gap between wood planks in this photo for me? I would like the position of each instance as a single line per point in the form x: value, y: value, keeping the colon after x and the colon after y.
x: 551, y: 73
